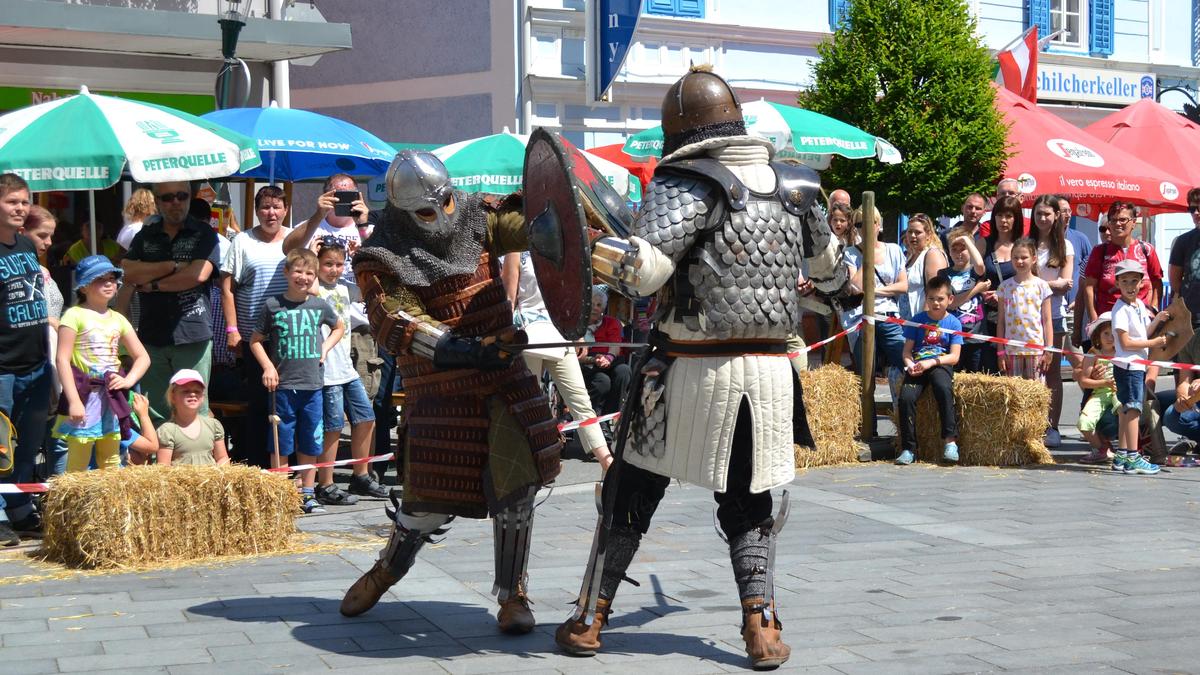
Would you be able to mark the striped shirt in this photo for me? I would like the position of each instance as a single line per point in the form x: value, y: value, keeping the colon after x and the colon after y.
x: 256, y: 268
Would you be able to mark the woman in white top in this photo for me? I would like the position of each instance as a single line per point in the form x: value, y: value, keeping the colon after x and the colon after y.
x: 1055, y: 262
x: 139, y: 208
x: 891, y: 282
x: 925, y: 259
x: 531, y: 316
x: 251, y: 272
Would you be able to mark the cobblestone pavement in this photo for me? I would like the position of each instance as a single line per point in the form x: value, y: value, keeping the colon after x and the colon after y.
x: 881, y: 569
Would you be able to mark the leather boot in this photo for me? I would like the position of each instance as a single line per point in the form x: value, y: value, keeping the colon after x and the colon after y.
x: 579, y: 639
x: 515, y: 617
x: 764, y: 645
x: 367, y: 590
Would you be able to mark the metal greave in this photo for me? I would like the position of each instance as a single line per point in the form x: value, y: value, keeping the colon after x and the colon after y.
x: 513, y: 529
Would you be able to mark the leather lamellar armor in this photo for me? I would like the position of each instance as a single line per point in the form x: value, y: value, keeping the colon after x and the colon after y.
x: 737, y: 253
x: 453, y: 420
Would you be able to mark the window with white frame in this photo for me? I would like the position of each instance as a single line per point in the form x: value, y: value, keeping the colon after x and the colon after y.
x: 1070, y: 17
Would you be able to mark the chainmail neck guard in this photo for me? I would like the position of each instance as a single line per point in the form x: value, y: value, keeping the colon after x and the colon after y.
x: 419, y: 260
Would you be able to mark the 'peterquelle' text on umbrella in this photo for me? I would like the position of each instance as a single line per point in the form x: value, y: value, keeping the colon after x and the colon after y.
x: 183, y: 161
x: 63, y: 173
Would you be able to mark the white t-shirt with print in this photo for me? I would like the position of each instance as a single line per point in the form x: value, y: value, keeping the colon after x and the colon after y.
x: 1058, y: 303
x: 1132, y: 319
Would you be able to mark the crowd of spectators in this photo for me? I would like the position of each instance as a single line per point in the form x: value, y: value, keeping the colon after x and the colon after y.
x: 1028, y: 276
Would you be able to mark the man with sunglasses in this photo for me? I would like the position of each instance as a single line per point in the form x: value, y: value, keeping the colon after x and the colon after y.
x: 170, y: 265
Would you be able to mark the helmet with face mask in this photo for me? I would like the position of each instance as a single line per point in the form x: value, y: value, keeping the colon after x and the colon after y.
x: 419, y: 185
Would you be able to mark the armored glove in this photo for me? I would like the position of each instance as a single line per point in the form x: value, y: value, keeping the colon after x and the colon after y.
x: 470, y: 352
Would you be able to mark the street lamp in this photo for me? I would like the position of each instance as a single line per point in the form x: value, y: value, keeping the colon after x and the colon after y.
x: 1190, y: 110
x: 233, y: 16
x: 233, y: 82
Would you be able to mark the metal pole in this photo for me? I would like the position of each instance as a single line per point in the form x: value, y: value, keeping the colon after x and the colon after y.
x: 92, y: 213
x: 868, y: 332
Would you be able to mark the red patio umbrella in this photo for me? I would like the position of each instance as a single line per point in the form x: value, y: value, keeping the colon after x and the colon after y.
x: 1051, y: 155
x: 1169, y: 140
x: 642, y: 167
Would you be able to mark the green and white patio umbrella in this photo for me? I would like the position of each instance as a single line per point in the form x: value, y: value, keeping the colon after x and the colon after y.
x: 795, y: 132
x: 495, y: 164
x: 83, y: 142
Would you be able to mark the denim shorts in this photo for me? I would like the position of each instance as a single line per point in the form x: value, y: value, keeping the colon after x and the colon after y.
x: 300, y: 428
x: 347, y: 400
x: 1131, y: 387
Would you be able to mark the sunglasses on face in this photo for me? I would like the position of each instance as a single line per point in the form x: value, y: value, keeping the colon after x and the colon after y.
x: 1193, y: 209
x: 330, y: 241
x: 1104, y: 230
x: 174, y: 197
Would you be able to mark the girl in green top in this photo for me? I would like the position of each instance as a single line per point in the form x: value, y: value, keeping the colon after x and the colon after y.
x: 189, y: 437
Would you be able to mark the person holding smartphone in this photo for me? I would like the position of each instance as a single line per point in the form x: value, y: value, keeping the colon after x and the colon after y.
x: 341, y: 212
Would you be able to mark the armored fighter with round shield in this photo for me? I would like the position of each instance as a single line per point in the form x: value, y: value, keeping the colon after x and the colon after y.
x: 720, y: 238
x: 477, y: 434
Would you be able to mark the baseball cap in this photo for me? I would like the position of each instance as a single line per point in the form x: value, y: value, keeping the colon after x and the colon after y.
x: 92, y: 268
x: 1129, y: 267
x: 187, y: 375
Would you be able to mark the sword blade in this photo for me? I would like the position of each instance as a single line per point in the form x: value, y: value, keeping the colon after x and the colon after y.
x: 554, y: 345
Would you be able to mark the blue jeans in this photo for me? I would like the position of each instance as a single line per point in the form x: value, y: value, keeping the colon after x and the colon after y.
x: 889, y: 346
x: 300, y: 422
x: 1131, y: 388
x: 1186, y: 424
x: 26, y: 401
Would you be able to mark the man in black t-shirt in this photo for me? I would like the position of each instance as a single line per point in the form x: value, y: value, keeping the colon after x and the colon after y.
x: 24, y: 358
x: 170, y: 264
x: 1183, y: 269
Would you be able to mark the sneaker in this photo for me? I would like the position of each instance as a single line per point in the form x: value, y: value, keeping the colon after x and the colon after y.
x: 1053, y: 438
x: 332, y: 495
x: 1119, y: 461
x: 950, y: 453
x: 905, y: 458
x: 30, y: 525
x: 8, y: 536
x: 367, y: 486
x: 1096, y: 456
x: 311, y: 505
x: 1182, y: 447
x: 1137, y: 463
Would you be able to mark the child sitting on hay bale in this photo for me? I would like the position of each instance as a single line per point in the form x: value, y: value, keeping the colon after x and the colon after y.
x: 93, y: 408
x: 929, y: 358
x: 190, y: 438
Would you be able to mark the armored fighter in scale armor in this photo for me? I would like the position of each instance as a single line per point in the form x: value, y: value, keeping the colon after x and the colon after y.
x: 477, y: 432
x: 720, y: 238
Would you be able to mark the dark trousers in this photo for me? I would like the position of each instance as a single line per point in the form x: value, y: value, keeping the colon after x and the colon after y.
x: 254, y: 447
x: 738, y: 511
x: 606, y: 388
x: 385, y: 412
x: 942, y: 380
x: 970, y: 359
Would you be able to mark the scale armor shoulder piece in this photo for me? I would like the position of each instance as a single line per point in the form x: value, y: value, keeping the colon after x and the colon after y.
x: 675, y: 209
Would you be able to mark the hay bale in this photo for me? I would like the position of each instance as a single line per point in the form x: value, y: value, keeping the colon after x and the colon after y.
x: 147, y: 514
x: 1001, y: 422
x: 834, y: 406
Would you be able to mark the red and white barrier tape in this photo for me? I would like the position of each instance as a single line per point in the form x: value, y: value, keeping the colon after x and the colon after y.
x: 1170, y: 365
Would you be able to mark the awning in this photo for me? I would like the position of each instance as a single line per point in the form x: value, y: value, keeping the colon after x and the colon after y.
x: 42, y: 23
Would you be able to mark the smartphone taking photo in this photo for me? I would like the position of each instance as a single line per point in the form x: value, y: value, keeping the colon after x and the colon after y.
x: 345, y: 201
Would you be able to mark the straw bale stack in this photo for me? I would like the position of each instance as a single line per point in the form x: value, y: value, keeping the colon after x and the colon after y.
x: 831, y: 398
x: 148, y: 514
x: 1001, y: 422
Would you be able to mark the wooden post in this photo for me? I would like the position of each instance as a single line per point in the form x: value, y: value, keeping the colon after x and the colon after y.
x: 287, y: 193
x: 867, y: 336
x: 247, y: 221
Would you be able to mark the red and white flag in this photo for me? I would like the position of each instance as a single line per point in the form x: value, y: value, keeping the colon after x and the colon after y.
x: 1018, y: 66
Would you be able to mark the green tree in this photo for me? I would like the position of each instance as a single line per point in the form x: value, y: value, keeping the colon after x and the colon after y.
x: 913, y: 72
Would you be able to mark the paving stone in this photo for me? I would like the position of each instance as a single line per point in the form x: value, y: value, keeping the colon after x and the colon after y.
x: 165, y: 657
x: 1051, y: 657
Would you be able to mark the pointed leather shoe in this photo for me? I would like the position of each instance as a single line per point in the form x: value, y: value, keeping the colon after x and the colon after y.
x: 367, y: 590
x: 579, y: 639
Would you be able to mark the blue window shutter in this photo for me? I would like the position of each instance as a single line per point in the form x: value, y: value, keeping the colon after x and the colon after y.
x: 1100, y: 27
x: 690, y: 8
x: 1037, y: 13
x: 839, y: 13
x: 666, y: 7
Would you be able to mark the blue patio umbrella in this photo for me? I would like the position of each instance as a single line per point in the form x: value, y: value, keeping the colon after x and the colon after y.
x: 300, y: 145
